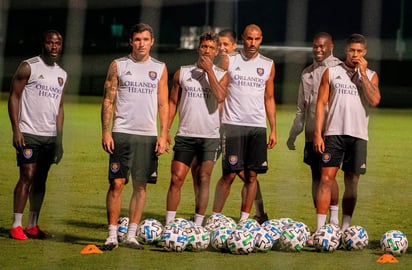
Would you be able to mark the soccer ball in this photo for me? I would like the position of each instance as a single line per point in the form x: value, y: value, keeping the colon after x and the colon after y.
x: 218, y: 238
x: 149, y: 231
x: 355, y: 237
x: 394, y: 242
x: 327, y: 238
x: 173, y: 238
x: 241, y: 242
x: 122, y: 228
x: 293, y: 237
x: 247, y: 224
x: 303, y: 228
x: 218, y: 220
x: 198, y: 238
x: 275, y: 233
x: 183, y: 223
x: 263, y: 239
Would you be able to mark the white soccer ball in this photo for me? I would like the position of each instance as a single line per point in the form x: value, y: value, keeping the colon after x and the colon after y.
x: 394, y: 242
x: 219, y: 220
x: 275, y: 233
x: 241, y: 242
x: 263, y: 239
x: 327, y: 238
x: 183, y: 223
x: 218, y: 238
x: 247, y: 224
x: 149, y: 231
x: 293, y: 237
x: 173, y: 238
x: 122, y: 228
x: 198, y: 238
x: 355, y: 237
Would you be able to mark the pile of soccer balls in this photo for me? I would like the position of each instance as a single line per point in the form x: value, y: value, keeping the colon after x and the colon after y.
x: 223, y: 234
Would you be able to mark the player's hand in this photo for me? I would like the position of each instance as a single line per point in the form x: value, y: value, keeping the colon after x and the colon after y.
x: 272, y: 141
x: 161, y: 146
x: 205, y: 63
x: 58, y: 153
x: 291, y: 143
x: 362, y: 65
x: 18, y: 140
x: 107, y: 142
x: 318, y: 145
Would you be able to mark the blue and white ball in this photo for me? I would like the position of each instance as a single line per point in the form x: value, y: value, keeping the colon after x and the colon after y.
x: 247, y: 224
x: 122, y: 228
x: 327, y: 238
x: 394, y: 242
x: 241, y: 242
x: 218, y: 238
x: 355, y: 237
x: 174, y: 238
x: 198, y: 238
x: 149, y: 231
x: 293, y: 237
x: 263, y: 239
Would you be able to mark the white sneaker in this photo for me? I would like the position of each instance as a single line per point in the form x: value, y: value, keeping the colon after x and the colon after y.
x: 131, y: 242
x: 111, y: 243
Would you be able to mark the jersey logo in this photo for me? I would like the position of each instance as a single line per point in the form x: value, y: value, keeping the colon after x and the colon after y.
x: 260, y: 71
x: 40, y: 77
x: 233, y: 159
x: 237, y: 69
x: 326, y: 157
x: 60, y: 80
x: 338, y: 78
x: 27, y: 153
x: 128, y: 73
x: 114, y: 167
x: 152, y: 75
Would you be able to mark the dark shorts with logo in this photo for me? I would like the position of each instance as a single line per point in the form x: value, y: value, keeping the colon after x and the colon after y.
x: 133, y: 155
x: 38, y: 149
x: 186, y: 148
x: 311, y: 157
x: 244, y: 148
x: 348, y: 151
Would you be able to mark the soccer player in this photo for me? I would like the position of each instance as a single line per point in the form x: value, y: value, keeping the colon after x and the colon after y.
x: 197, y: 91
x: 322, y: 50
x: 249, y: 101
x: 347, y: 91
x: 36, y: 116
x: 135, y: 92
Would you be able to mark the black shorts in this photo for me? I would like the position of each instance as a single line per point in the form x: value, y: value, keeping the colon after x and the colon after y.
x: 135, y: 155
x: 348, y: 151
x: 311, y: 157
x: 244, y: 148
x: 186, y: 148
x: 37, y: 149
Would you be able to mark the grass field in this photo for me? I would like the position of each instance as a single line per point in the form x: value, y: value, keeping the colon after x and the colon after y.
x: 74, y: 208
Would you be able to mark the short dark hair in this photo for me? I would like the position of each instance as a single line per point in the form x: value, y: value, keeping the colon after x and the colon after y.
x: 356, y: 38
x: 323, y: 35
x: 228, y: 33
x: 140, y: 27
x: 208, y: 36
x: 51, y: 31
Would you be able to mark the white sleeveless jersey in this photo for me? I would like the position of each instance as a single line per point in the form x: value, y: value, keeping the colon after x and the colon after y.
x: 198, y: 107
x: 41, y: 97
x: 245, y: 104
x: 348, y: 112
x: 136, y: 100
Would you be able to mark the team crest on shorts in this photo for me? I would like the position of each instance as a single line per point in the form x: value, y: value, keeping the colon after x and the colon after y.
x: 326, y: 157
x: 260, y: 71
x: 152, y: 75
x: 60, y: 80
x: 233, y: 159
x: 114, y: 167
x: 27, y: 153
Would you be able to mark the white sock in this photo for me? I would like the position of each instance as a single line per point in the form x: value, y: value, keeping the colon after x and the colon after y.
x: 198, y: 219
x: 170, y: 216
x: 334, y: 214
x: 321, y: 220
x: 112, y: 231
x: 17, y: 219
x: 32, y: 220
x: 345, y: 222
x: 243, y: 216
x: 131, y: 231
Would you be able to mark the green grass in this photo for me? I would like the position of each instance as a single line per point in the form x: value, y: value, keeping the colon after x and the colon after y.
x: 74, y: 208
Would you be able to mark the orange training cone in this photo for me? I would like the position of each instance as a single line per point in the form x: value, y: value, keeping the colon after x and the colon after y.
x: 91, y: 249
x: 387, y: 258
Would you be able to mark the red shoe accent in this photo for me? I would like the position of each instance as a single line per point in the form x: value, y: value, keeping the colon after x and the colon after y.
x: 18, y: 233
x: 35, y: 232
